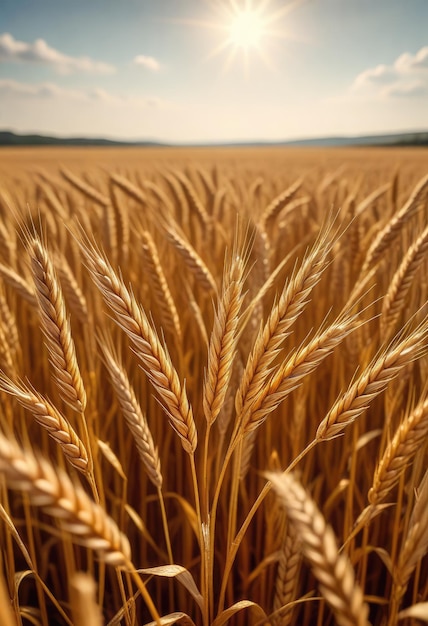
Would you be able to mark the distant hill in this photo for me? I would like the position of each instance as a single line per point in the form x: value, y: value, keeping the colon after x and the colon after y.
x: 8, y: 138
x: 419, y: 138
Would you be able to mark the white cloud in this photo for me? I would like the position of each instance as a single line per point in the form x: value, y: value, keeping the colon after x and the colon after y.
x: 381, y: 74
x: 40, y: 52
x: 406, y: 77
x: 408, y: 89
x: 150, y: 63
x: 39, y: 90
x: 13, y: 88
x: 407, y: 63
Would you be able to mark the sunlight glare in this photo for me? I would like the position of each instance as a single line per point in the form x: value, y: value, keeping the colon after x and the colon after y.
x: 246, y: 29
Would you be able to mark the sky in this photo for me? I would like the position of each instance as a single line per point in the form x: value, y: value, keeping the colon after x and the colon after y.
x: 196, y: 71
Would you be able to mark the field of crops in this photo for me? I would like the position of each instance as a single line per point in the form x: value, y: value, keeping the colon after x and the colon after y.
x: 213, y: 386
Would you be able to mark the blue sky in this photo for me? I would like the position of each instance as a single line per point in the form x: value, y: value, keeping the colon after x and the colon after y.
x: 183, y: 71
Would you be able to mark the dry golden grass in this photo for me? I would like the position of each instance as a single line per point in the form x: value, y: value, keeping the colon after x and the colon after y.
x: 225, y: 355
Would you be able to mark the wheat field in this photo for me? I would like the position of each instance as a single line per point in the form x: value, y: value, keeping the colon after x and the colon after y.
x: 213, y: 387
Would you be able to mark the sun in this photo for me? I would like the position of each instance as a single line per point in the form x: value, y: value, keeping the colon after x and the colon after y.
x: 246, y: 29
x: 250, y: 28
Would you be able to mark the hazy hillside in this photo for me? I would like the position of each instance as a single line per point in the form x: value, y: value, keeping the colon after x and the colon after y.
x: 8, y: 138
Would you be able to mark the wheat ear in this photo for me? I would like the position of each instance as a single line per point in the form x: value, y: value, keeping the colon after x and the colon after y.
x: 287, y: 575
x: 334, y: 571
x: 6, y: 353
x: 129, y: 188
x: 53, y: 200
x: 56, y: 327
x: 193, y: 200
x: 52, y: 489
x: 223, y: 342
x: 191, y: 258
x: 9, y: 321
x: 300, y: 363
x: 291, y: 303
x: 408, y: 439
x: 51, y: 419
x: 72, y: 291
x: 395, y: 298
x: 168, y: 310
x: 275, y: 207
x: 132, y: 413
x: 415, y: 547
x: 393, y: 227
x: 19, y: 284
x: 372, y: 382
x: 87, y: 190
x: 122, y: 223
x: 157, y: 364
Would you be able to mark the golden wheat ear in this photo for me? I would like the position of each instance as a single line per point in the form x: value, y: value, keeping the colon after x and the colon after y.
x: 52, y: 489
x: 132, y: 412
x: 132, y: 319
x: 335, y: 574
x: 56, y: 327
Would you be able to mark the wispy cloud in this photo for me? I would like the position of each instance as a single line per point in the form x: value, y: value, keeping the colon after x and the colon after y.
x: 150, y: 63
x: 39, y: 90
x: 47, y: 90
x: 406, y: 77
x: 13, y: 50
